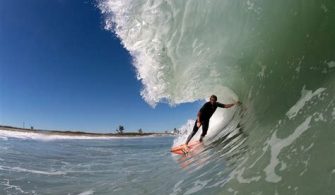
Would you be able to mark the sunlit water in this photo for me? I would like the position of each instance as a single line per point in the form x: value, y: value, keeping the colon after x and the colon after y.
x: 74, y: 166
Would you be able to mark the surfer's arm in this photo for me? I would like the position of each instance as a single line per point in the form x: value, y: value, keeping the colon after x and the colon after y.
x: 228, y: 105
x: 198, y: 116
x: 220, y: 105
x: 224, y: 105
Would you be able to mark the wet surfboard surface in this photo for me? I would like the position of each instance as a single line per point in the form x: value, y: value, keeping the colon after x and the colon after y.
x: 183, y: 149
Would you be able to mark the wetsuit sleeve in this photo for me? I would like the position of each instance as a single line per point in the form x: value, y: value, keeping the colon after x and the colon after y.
x: 220, y: 105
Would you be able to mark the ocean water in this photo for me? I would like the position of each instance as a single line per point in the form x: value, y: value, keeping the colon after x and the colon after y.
x: 31, y: 165
x: 278, y: 58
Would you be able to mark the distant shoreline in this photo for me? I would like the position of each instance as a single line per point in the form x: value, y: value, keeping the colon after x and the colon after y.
x: 80, y: 133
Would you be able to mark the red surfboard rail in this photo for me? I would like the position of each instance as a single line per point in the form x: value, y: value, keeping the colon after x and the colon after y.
x: 183, y: 149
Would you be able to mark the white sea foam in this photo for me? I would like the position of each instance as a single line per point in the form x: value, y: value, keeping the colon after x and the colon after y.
x: 40, y: 136
x: 176, y: 188
x: 306, y: 95
x: 331, y: 64
x: 242, y: 179
x: 198, y: 185
x: 88, y: 192
x: 8, y: 186
x: 20, y: 169
x: 276, y: 145
x: 173, y: 63
x: 185, y: 130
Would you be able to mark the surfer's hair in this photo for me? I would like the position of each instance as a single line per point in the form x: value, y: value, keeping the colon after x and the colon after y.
x: 214, y: 96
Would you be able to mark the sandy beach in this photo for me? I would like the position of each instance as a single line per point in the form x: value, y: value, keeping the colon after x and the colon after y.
x: 78, y: 133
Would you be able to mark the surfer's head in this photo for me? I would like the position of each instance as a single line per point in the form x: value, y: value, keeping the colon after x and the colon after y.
x: 213, y: 99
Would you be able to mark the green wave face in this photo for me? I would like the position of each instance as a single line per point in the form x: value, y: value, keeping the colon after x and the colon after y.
x: 278, y: 57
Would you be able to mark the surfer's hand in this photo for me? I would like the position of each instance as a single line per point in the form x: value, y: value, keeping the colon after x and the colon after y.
x: 238, y: 103
x: 198, y: 124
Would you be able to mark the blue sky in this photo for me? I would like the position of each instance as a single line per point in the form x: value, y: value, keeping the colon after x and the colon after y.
x: 59, y: 69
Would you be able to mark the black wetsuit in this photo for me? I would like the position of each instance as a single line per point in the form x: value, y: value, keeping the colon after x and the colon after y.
x: 206, y: 111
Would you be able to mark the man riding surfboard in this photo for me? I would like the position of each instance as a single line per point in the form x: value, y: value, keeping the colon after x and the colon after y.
x: 204, y: 114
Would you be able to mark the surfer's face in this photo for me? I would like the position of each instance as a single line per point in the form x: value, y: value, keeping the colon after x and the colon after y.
x: 212, y: 100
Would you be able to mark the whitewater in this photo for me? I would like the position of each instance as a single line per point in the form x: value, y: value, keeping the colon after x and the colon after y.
x: 278, y: 58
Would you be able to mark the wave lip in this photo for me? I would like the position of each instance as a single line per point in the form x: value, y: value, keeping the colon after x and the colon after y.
x: 174, y: 63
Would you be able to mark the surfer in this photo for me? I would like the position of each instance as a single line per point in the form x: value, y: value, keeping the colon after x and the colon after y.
x: 205, y: 114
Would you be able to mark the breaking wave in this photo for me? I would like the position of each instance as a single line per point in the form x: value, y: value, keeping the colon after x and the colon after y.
x: 278, y: 58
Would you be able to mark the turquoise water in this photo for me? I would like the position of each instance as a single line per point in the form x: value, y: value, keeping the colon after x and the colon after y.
x: 33, y: 164
x: 74, y: 166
